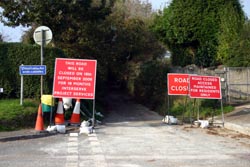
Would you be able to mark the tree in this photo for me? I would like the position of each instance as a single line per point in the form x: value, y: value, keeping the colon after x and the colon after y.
x: 239, y: 55
x: 1, y: 37
x: 232, y: 20
x: 190, y: 29
x: 132, y: 41
x: 69, y: 20
x: 78, y: 25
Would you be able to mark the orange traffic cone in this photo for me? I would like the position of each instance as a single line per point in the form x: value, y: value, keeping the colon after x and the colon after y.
x: 39, y: 120
x: 75, y: 117
x: 59, y: 117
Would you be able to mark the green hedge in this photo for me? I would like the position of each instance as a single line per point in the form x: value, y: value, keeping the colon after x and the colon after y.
x: 12, y: 55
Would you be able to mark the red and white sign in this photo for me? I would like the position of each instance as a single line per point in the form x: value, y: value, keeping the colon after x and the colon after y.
x: 207, y: 87
x: 74, y: 78
x: 178, y: 84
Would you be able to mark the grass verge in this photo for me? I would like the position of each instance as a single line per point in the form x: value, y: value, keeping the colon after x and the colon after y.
x: 14, y: 116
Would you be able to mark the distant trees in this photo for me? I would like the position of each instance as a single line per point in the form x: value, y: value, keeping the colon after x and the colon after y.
x: 1, y: 37
x: 231, y: 24
x: 132, y: 40
x: 70, y: 21
x: 239, y: 55
x: 115, y: 32
x: 199, y: 32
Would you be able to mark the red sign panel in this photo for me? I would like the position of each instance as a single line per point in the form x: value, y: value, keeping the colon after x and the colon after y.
x: 74, y: 78
x: 178, y: 84
x: 207, y: 87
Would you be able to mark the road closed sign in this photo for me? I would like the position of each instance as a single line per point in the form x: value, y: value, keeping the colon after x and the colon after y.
x: 207, y: 87
x: 178, y: 84
x: 74, y: 78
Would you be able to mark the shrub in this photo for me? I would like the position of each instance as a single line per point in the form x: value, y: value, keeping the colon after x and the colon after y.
x: 12, y: 55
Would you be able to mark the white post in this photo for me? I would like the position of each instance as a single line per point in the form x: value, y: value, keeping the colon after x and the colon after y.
x: 42, y: 53
x: 21, y: 92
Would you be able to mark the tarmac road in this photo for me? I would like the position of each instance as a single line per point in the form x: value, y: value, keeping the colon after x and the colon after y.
x: 132, y: 136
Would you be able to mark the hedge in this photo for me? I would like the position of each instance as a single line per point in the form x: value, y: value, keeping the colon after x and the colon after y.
x: 12, y: 55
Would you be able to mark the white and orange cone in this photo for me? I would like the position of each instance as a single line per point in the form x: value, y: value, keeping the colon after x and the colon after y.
x: 59, y: 117
x: 75, y: 117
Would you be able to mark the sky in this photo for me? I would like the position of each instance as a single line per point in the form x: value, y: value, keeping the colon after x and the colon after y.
x: 14, y: 34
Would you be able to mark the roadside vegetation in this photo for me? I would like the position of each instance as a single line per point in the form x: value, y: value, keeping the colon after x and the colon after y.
x: 13, y: 116
x: 185, y: 108
x: 129, y: 40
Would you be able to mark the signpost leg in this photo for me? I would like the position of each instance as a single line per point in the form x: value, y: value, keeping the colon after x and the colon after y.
x: 222, y: 114
x: 21, y: 91
x: 184, y: 109
x: 51, y: 112
x: 93, y: 117
x: 42, y: 53
x: 168, y: 109
x: 198, y: 112
x: 194, y: 107
x: 190, y: 112
x: 41, y: 85
x: 165, y: 103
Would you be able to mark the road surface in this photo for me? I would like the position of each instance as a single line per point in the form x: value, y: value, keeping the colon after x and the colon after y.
x: 132, y: 136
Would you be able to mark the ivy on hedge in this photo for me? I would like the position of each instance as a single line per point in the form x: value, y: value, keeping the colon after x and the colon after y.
x: 12, y: 55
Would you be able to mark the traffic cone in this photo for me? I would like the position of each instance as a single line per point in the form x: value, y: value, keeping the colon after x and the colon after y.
x: 75, y: 117
x: 59, y: 117
x: 39, y: 120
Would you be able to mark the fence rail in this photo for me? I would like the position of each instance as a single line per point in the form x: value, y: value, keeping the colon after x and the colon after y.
x: 235, y: 81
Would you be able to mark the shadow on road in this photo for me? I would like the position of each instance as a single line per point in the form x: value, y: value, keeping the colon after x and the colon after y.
x: 124, y: 110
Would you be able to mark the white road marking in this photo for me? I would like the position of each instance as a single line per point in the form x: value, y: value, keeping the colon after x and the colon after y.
x: 72, y: 152
x: 99, y: 158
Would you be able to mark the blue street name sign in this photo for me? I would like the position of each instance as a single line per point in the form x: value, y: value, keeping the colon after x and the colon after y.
x: 32, y: 70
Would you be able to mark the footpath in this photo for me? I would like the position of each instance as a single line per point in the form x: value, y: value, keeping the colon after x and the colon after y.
x: 238, y: 120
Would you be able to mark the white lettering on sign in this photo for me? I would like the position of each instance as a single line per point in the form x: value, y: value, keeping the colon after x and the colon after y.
x: 70, y: 63
x: 69, y: 78
x: 81, y: 63
x: 179, y: 88
x: 66, y: 73
x: 181, y: 80
x: 178, y: 84
x: 72, y: 68
x: 62, y: 93
x: 205, y: 87
x: 76, y: 76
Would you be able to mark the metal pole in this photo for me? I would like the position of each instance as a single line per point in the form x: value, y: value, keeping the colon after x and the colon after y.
x: 247, y: 84
x: 184, y: 109
x: 21, y: 92
x: 192, y: 112
x: 51, y: 110
x: 228, y: 84
x: 222, y: 114
x: 168, y: 108
x: 165, y: 103
x: 198, y: 113
x: 42, y: 55
x: 93, y: 117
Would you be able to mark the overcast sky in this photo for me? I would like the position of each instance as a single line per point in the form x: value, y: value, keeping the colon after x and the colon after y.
x: 14, y: 34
